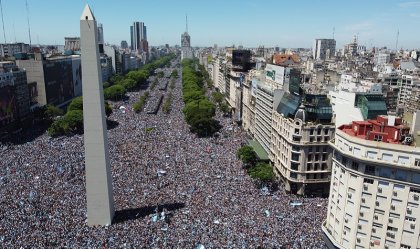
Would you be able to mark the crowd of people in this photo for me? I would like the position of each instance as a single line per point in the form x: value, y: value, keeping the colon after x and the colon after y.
x: 171, y: 190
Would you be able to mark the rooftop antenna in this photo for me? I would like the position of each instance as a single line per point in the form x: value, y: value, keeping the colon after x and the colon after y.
x: 396, y: 44
x: 2, y: 20
x: 29, y: 27
x: 186, y: 23
x: 333, y: 32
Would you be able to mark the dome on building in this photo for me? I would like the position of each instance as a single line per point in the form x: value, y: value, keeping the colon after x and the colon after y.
x: 301, y: 113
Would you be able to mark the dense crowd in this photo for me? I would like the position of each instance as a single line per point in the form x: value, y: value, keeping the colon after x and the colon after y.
x: 171, y: 190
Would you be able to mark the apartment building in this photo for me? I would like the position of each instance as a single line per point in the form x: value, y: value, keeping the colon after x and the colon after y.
x: 375, y: 186
x: 301, y: 129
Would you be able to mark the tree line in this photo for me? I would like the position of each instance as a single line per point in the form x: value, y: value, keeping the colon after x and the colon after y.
x: 114, y: 89
x: 199, y: 111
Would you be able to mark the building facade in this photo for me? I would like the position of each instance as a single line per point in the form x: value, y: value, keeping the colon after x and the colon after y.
x: 14, y: 97
x: 138, y: 34
x: 323, y: 49
x: 58, y: 78
x: 10, y: 49
x: 301, y: 129
x: 375, y: 187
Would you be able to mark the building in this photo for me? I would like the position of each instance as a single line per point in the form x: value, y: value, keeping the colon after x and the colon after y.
x: 186, y: 50
x: 276, y: 77
x: 14, y: 97
x: 58, y: 78
x: 124, y: 45
x: 10, y: 49
x: 408, y: 82
x: 349, y: 106
x: 323, y: 49
x: 72, y: 44
x: 381, y: 58
x: 413, y: 103
x: 249, y: 100
x: 138, y: 34
x: 375, y: 186
x: 301, y: 129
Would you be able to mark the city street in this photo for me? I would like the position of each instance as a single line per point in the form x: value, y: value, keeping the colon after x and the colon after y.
x: 171, y: 189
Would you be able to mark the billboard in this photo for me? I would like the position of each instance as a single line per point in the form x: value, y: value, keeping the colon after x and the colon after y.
x: 278, y: 74
x: 77, y: 76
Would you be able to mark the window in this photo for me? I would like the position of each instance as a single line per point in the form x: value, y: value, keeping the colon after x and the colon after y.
x: 294, y: 166
x: 370, y: 170
x: 344, y: 161
x: 326, y: 131
x: 311, y: 131
x: 293, y: 175
x: 310, y: 149
x: 297, y: 131
x: 377, y: 138
x: 368, y: 181
x: 295, y: 157
x: 319, y: 132
x: 354, y: 165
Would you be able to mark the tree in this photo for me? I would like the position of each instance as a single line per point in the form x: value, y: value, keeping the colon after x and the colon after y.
x: 204, y: 126
x: 247, y: 155
x: 174, y: 73
x: 217, y: 97
x: 52, y: 112
x: 263, y: 172
x: 108, y: 109
x: 193, y: 95
x: 224, y: 107
x: 114, y: 92
x: 76, y: 104
x: 129, y: 83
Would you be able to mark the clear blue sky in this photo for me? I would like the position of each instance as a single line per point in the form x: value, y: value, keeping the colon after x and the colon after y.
x: 291, y: 23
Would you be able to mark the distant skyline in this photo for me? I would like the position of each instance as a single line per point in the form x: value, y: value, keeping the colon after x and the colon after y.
x: 287, y: 24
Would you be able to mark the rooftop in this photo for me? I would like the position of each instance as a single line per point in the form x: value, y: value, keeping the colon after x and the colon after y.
x: 385, y: 129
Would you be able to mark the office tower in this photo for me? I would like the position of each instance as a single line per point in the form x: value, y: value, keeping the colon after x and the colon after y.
x: 375, y: 186
x: 138, y: 36
x: 99, y: 195
x: 323, y: 49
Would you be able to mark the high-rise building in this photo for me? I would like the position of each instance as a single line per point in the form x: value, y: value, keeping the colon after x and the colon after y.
x: 323, y: 49
x: 375, y: 186
x: 99, y: 193
x: 138, y: 36
x: 276, y: 77
x: 124, y: 44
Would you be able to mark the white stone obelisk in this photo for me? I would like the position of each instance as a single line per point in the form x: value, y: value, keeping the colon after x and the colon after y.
x: 100, y: 200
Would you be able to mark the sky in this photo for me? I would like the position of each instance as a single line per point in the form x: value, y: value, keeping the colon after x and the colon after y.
x: 250, y: 23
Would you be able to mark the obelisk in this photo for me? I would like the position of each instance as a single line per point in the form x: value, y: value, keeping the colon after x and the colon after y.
x: 100, y: 200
